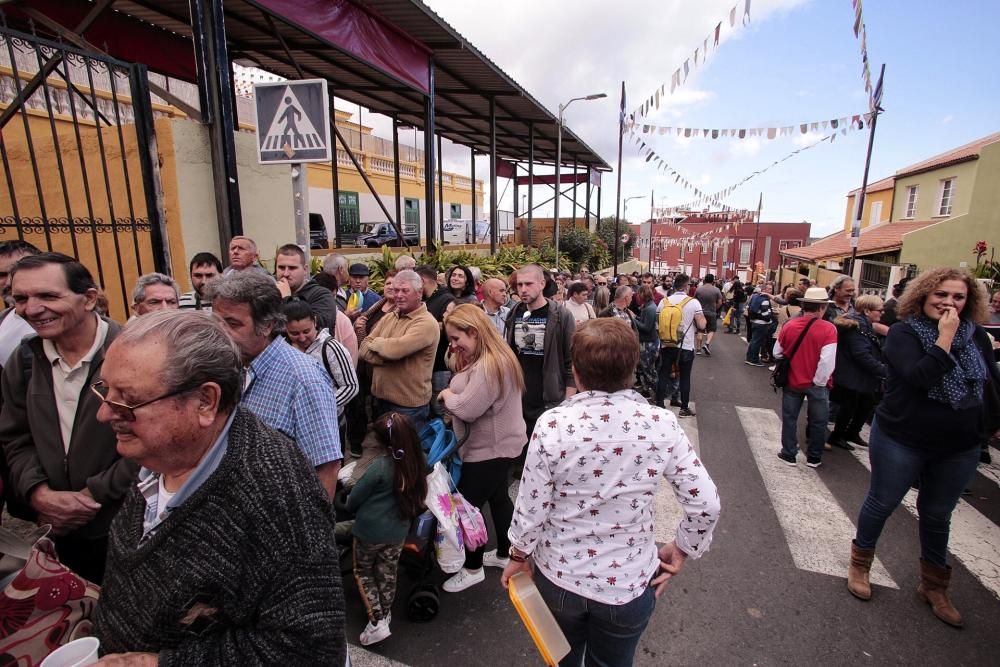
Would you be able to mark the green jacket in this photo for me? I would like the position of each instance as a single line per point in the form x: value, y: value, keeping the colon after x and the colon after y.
x: 377, y: 518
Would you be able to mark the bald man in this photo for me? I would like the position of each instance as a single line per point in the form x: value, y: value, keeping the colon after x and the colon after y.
x: 494, y: 302
x: 243, y: 256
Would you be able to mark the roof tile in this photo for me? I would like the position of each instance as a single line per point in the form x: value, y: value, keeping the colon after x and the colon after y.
x: 880, y: 238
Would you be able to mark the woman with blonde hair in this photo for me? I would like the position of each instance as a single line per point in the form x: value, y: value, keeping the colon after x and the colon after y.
x: 929, y: 425
x: 484, y: 399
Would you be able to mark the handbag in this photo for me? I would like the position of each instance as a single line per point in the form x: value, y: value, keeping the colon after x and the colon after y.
x: 474, y: 532
x: 728, y: 317
x: 783, y: 366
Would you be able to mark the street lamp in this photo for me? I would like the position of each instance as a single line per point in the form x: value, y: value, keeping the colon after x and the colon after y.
x: 627, y: 200
x: 562, y: 108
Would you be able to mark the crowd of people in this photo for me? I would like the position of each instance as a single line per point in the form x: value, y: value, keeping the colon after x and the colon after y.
x: 229, y: 416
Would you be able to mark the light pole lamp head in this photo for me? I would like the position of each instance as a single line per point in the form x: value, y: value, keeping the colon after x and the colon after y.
x: 595, y: 96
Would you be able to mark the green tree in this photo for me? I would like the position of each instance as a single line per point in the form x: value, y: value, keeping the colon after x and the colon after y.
x: 607, y: 232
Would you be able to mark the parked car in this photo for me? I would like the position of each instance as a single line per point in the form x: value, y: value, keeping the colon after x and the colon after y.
x: 377, y: 234
x: 318, y: 239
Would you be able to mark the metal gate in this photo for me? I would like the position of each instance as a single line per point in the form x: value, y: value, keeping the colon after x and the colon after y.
x: 78, y: 163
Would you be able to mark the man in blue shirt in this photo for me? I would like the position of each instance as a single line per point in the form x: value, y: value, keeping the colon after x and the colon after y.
x: 359, y: 298
x: 289, y: 391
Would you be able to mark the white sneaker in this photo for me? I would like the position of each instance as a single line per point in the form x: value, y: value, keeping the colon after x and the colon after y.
x: 373, y: 634
x: 490, y: 559
x: 464, y: 579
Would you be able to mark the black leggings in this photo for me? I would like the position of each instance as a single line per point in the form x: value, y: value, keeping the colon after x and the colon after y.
x: 482, y: 482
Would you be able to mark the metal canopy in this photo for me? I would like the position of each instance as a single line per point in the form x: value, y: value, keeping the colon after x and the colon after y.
x: 465, y: 80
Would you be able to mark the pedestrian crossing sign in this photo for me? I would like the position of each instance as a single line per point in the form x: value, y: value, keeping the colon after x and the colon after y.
x: 293, y: 121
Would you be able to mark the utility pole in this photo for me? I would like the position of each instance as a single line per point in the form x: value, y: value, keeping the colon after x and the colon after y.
x: 856, y: 223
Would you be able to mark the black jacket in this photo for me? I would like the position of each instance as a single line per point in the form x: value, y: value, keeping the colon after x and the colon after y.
x: 322, y: 302
x: 437, y: 304
x: 860, y: 366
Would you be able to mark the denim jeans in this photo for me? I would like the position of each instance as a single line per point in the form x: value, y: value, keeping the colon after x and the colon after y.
x: 418, y: 416
x: 816, y: 415
x: 942, y: 474
x: 734, y: 323
x: 761, y: 334
x: 599, y: 634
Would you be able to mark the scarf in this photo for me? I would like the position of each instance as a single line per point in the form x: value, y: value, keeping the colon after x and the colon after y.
x: 962, y: 386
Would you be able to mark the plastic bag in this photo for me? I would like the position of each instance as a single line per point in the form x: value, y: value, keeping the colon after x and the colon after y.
x: 448, y: 541
x: 728, y: 317
x: 474, y: 531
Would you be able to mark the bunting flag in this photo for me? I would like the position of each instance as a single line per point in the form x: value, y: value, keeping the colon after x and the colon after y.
x: 716, y: 198
x: 848, y: 123
x: 866, y: 73
x: 676, y: 80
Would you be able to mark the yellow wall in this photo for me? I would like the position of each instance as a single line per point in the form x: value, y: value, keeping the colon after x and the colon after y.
x: 950, y: 242
x: 929, y: 190
x: 349, y: 180
x: 884, y: 196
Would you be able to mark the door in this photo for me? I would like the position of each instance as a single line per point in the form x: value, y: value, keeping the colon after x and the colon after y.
x: 349, y: 222
x: 411, y: 216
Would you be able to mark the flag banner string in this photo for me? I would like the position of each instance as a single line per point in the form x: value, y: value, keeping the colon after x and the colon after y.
x: 855, y: 122
x: 716, y: 198
x: 866, y: 72
x: 699, y: 57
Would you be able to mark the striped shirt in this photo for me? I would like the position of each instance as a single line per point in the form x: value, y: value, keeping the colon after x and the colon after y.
x: 292, y: 393
x: 192, y: 301
x: 339, y: 365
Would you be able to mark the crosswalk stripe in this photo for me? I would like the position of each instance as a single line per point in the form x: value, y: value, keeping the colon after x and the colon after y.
x: 360, y: 657
x: 817, y: 530
x: 974, y: 539
x: 667, y: 512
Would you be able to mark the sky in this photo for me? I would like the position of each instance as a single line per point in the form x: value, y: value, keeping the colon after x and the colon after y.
x: 796, y: 61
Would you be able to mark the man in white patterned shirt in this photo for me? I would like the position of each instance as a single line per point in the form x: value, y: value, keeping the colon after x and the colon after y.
x: 584, y: 511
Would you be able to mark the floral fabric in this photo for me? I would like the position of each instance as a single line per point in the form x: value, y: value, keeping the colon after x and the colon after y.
x: 585, y: 507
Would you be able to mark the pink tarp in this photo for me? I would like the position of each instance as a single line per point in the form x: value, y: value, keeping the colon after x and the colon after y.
x: 357, y: 31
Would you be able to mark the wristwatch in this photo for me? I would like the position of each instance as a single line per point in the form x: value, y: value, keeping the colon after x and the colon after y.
x: 518, y: 556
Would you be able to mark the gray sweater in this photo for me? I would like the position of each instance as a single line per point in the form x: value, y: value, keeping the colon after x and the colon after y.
x: 245, y: 572
x: 488, y: 416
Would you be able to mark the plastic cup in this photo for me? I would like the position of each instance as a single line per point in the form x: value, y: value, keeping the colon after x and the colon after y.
x: 77, y: 653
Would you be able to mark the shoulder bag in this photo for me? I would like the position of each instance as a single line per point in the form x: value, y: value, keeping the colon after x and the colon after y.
x: 783, y: 366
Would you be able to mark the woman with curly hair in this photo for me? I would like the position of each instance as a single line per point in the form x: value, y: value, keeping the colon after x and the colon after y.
x: 929, y: 425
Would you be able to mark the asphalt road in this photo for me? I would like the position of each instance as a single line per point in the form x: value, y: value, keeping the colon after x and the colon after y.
x: 772, y: 589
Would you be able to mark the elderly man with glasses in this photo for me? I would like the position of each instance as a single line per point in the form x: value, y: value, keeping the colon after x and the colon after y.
x: 223, y: 552
x: 64, y: 469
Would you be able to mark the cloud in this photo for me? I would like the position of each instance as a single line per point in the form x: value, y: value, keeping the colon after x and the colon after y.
x: 947, y: 119
x: 810, y: 137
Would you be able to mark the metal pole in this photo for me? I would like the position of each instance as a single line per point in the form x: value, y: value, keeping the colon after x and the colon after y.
x: 558, y: 180
x: 335, y: 176
x: 440, y: 191
x: 575, y: 188
x: 618, y: 194
x: 395, y: 170
x: 473, y: 150
x: 756, y: 237
x: 531, y: 183
x: 429, y: 157
x: 587, y: 210
x: 300, y: 205
x: 494, y: 223
x: 856, y: 224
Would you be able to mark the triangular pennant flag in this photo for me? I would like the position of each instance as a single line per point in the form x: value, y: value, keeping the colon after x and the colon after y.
x: 746, y: 13
x: 743, y: 134
x: 657, y: 99
x: 687, y: 68
x: 770, y: 132
x: 704, y: 132
x: 825, y: 123
x: 833, y: 123
x: 732, y: 16
x: 717, y: 29
x: 804, y: 128
x: 715, y: 134
x: 696, y: 57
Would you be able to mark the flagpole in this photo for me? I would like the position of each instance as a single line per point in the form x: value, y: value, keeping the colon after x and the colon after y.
x: 856, y: 223
x: 756, y: 238
x: 618, y: 202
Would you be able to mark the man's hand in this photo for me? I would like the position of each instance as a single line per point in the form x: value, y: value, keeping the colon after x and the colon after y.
x: 65, y: 510
x: 360, y: 325
x: 284, y: 288
x: 129, y: 660
x: 671, y: 561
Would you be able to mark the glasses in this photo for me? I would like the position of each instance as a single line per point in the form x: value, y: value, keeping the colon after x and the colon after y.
x: 127, y: 412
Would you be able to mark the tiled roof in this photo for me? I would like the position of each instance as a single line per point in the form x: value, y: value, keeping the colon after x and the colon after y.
x: 880, y: 238
x: 877, y: 186
x: 969, y: 151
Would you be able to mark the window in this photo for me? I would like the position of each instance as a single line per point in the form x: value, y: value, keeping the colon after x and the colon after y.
x: 875, y: 213
x: 683, y: 246
x: 947, y: 192
x: 911, y: 201
x: 456, y: 211
x: 411, y: 216
x: 745, y: 247
x: 715, y: 252
x: 349, y: 213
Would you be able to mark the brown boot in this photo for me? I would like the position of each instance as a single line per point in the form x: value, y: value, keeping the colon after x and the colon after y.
x: 933, y: 590
x: 857, y: 573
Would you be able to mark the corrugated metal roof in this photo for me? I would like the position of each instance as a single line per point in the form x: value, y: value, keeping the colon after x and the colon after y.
x: 465, y: 79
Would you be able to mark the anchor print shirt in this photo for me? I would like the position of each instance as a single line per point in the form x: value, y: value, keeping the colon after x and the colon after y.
x: 585, y: 507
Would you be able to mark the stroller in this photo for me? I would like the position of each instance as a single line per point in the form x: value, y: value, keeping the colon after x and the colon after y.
x: 422, y: 605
